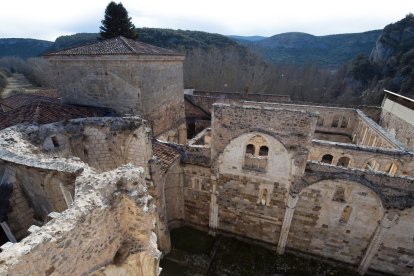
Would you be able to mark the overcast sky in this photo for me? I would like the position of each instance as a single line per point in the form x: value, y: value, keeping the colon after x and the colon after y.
x: 48, y: 19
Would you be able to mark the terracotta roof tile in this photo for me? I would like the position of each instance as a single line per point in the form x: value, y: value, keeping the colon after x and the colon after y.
x: 49, y: 112
x: 116, y: 46
x: 165, y: 154
x: 19, y: 100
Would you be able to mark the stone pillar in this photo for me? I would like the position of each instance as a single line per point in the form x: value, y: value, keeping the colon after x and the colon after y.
x: 287, y: 220
x: 213, y: 221
x: 182, y: 135
x: 66, y: 195
x: 387, y: 221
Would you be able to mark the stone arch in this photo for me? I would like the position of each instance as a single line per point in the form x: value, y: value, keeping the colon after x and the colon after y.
x: 278, y: 160
x: 371, y: 164
x: 390, y: 166
x: 327, y: 158
x: 59, y: 194
x: 344, y: 161
x: 339, y: 229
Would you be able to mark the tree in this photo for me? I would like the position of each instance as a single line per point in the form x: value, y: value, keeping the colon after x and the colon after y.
x: 117, y: 23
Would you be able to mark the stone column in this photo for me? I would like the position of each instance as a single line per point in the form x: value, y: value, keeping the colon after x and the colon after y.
x: 287, y: 220
x: 182, y: 135
x: 213, y: 221
x: 387, y: 221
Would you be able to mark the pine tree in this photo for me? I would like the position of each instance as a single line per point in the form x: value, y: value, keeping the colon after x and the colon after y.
x: 117, y: 23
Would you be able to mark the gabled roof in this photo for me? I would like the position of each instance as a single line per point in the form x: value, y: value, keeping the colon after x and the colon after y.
x: 115, y: 46
x: 49, y: 112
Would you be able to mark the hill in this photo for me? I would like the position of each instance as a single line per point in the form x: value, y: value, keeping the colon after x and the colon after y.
x: 303, y: 48
x: 240, y: 38
x: 22, y: 47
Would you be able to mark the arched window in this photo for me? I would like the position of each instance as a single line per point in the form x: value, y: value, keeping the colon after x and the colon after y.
x: 327, y: 158
x: 344, y: 122
x: 250, y: 149
x: 335, y: 121
x: 255, y: 157
x: 372, y: 165
x: 392, y: 169
x: 264, y: 151
x: 343, y: 161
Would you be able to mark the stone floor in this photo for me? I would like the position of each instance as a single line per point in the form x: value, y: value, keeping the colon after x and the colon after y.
x: 197, y: 253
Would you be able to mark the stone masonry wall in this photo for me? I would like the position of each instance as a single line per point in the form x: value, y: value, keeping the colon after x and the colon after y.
x: 197, y: 187
x: 403, y: 130
x: 360, y: 155
x: 396, y: 253
x: 320, y: 227
x: 242, y: 212
x: 293, y: 129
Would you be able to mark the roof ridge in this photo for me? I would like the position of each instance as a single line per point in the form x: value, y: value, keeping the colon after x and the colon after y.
x: 125, y: 41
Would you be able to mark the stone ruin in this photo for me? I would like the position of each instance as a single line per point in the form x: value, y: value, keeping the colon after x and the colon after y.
x: 100, y: 195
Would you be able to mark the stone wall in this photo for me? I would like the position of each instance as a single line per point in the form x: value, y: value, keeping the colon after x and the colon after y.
x: 245, y: 210
x: 131, y: 85
x: 394, y: 162
x: 402, y: 130
x: 368, y: 133
x: 292, y: 131
x: 102, y: 227
x: 322, y: 227
x: 396, y: 253
x: 197, y: 188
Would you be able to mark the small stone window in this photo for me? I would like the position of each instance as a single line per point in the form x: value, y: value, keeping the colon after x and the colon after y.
x: 327, y: 158
x: 264, y: 196
x: 346, y: 214
x: 255, y: 157
x: 250, y: 149
x: 264, y: 151
x: 55, y: 141
x: 335, y: 121
x: 343, y: 162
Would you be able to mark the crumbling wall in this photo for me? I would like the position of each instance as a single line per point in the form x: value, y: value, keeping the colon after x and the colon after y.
x: 110, y: 222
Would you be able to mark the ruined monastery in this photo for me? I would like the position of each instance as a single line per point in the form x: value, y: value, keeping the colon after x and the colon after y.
x: 95, y: 175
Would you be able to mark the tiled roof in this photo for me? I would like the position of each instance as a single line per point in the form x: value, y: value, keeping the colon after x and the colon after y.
x: 165, y: 154
x: 19, y: 100
x: 49, y: 112
x: 115, y: 46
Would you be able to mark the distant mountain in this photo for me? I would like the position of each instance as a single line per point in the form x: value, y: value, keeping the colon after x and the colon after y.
x: 391, y: 63
x: 303, y: 48
x: 247, y: 38
x: 22, y: 47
